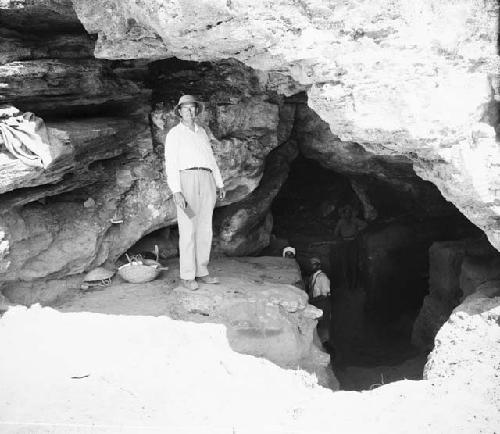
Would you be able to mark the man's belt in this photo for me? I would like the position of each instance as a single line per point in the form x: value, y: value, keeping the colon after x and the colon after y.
x: 199, y: 168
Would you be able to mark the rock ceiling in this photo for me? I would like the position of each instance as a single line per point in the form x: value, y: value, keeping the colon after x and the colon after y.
x: 399, y: 77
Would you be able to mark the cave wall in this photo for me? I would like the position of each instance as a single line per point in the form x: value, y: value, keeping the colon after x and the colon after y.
x: 247, y: 118
x: 112, y: 117
x: 372, y: 87
x: 398, y: 78
x: 456, y: 270
x: 55, y: 222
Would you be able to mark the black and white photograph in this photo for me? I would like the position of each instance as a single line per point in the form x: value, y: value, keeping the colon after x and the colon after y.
x: 250, y: 216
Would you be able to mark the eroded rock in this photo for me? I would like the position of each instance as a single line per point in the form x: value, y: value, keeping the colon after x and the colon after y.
x: 370, y: 73
x: 247, y: 119
x: 466, y: 347
x: 40, y: 16
x: 67, y: 86
x: 264, y: 313
x: 16, y: 46
x: 245, y: 227
x: 457, y: 269
x: 87, y: 140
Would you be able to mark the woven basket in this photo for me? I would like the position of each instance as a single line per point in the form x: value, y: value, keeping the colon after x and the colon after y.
x: 138, y: 273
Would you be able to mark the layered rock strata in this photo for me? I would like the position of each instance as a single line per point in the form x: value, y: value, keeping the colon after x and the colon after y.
x: 401, y: 78
x: 59, y: 221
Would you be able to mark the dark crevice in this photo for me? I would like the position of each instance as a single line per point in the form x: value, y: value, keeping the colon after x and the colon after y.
x: 371, y: 325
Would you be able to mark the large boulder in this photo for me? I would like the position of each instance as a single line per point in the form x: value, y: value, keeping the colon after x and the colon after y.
x: 466, y: 347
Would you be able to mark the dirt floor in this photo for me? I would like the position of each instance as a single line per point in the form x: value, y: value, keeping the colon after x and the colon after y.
x: 112, y: 361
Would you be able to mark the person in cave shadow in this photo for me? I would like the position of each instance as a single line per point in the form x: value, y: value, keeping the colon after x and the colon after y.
x: 318, y: 289
x: 348, y: 229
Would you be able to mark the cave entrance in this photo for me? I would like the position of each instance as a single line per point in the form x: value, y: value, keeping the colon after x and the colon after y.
x: 371, y: 325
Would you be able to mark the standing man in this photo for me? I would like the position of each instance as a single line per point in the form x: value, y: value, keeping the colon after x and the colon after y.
x: 348, y: 229
x: 318, y: 288
x: 194, y: 178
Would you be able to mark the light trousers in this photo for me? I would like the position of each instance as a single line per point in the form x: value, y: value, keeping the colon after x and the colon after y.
x: 195, y: 234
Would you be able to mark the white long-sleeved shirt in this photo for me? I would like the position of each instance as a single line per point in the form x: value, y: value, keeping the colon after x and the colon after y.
x: 185, y: 148
x: 319, y: 284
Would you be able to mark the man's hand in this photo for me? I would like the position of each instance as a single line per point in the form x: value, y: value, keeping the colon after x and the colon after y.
x: 179, y: 200
x: 221, y: 193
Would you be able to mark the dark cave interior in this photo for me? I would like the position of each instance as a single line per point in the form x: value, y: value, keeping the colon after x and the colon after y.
x: 372, y: 324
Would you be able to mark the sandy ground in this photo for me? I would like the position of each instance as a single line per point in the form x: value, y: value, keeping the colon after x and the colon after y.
x: 66, y: 372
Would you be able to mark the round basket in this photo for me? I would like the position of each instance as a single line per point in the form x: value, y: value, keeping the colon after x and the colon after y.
x: 137, y: 273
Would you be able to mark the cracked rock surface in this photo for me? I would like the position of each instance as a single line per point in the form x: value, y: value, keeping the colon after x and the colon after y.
x: 418, y: 80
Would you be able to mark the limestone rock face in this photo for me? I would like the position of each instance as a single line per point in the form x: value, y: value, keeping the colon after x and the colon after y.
x: 16, y: 46
x: 414, y: 79
x: 317, y: 141
x: 466, y: 347
x: 58, y: 222
x: 477, y: 270
x: 245, y: 116
x: 40, y: 16
x: 87, y: 140
x: 383, y: 100
x: 52, y: 72
x: 445, y: 261
x: 73, y: 231
x: 245, y: 227
x: 55, y: 87
x: 264, y: 313
x: 456, y: 270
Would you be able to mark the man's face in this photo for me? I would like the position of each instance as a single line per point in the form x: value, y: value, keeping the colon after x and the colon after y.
x: 188, y: 111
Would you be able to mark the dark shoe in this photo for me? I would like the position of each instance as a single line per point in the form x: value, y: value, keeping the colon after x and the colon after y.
x: 189, y: 284
x: 208, y: 279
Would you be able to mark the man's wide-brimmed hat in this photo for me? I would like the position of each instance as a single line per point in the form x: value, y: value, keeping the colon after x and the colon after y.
x: 188, y: 99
